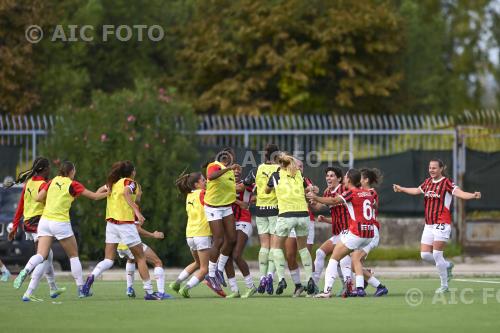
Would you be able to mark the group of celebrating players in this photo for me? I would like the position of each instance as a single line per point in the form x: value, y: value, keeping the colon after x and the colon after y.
x: 219, y: 225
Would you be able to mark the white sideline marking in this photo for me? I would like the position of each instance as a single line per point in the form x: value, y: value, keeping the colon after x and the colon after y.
x: 477, y: 281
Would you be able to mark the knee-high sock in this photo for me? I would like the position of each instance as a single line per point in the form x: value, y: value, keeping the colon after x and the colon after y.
x: 306, y: 259
x: 233, y: 284
x: 330, y: 275
x: 212, y: 267
x: 159, y: 274
x: 221, y: 263
x: 102, y: 267
x: 263, y: 261
x: 182, y: 276
x: 130, y: 270
x: 249, y: 281
x: 295, y: 276
x: 34, y: 261
x: 345, y: 266
x: 427, y: 257
x: 193, y: 282
x: 271, y: 264
x: 374, y: 282
x: 441, y: 266
x: 36, y: 276
x: 49, y: 271
x: 76, y: 270
x: 279, y: 261
x: 319, y: 263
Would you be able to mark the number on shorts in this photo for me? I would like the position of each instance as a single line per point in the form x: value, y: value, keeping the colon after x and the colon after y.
x: 440, y: 226
x: 367, y: 210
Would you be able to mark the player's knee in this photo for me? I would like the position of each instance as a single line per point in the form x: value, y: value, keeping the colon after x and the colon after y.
x: 217, y: 242
x: 157, y: 262
x: 203, y: 270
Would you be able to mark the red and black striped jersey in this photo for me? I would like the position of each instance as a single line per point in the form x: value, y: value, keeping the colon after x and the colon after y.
x: 359, y: 203
x: 240, y: 214
x: 340, y: 219
x: 437, y: 199
x: 375, y: 208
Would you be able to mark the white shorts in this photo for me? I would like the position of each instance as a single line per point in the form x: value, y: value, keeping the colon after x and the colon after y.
x: 374, y: 243
x: 310, y: 235
x: 59, y: 230
x: 199, y: 243
x: 31, y: 236
x: 335, y: 239
x: 217, y: 213
x: 127, y: 253
x: 436, y: 233
x: 122, y: 233
x: 246, y: 227
x: 353, y: 242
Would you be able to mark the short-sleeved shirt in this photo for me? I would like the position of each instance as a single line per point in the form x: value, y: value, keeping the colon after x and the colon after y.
x: 359, y: 203
x: 340, y: 217
x: 438, y: 196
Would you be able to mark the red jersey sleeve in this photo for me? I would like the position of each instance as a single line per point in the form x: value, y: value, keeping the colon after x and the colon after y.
x: 423, y: 186
x: 45, y: 186
x: 76, y: 188
x: 202, y: 197
x: 347, y: 195
x: 211, y: 169
x: 19, y: 210
x: 449, y: 185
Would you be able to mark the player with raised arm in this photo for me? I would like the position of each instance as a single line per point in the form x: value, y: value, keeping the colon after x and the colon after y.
x: 359, y: 203
x: 58, y: 195
x: 438, y: 191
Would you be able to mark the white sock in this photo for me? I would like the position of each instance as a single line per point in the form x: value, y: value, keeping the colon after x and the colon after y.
x: 49, y: 271
x: 221, y: 264
x: 360, y: 281
x: 212, y: 267
x: 295, y: 276
x: 319, y: 263
x: 148, y: 287
x: 345, y: 266
x: 330, y: 275
x: 34, y: 261
x: 193, y: 282
x: 442, y: 266
x: 76, y: 270
x: 130, y: 270
x: 159, y: 274
x: 249, y: 281
x: 374, y: 282
x: 36, y: 276
x: 102, y: 267
x: 427, y: 257
x: 233, y: 284
x: 4, y: 269
x: 182, y: 276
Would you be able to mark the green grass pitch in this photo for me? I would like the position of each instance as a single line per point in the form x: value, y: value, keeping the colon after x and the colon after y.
x: 473, y: 307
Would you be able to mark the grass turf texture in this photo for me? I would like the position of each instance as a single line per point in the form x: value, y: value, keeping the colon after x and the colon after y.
x: 109, y: 310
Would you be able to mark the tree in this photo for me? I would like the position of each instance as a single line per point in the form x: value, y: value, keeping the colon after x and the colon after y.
x: 261, y: 56
x: 143, y: 126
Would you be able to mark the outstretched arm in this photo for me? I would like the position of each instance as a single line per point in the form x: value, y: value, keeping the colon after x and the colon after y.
x: 466, y: 195
x: 330, y: 201
x: 407, y: 190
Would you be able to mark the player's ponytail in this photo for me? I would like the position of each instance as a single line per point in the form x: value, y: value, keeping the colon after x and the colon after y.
x: 271, y: 152
x: 120, y: 169
x: 373, y: 175
x: 186, y: 182
x: 40, y: 164
x: 354, y: 177
x: 288, y: 163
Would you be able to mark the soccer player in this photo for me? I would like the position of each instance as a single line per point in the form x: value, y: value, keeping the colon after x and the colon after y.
x: 291, y: 242
x: 359, y: 203
x: 59, y: 194
x: 31, y: 211
x: 121, y: 213
x: 340, y: 226
x: 266, y: 215
x: 4, y: 272
x: 289, y: 186
x: 219, y: 197
x: 369, y: 179
x: 438, y: 191
x: 198, y: 233
x: 243, y: 233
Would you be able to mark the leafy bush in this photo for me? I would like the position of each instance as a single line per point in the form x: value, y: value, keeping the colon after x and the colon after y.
x: 142, y: 126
